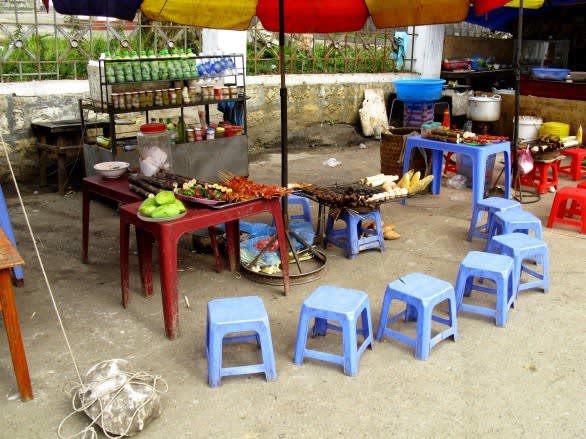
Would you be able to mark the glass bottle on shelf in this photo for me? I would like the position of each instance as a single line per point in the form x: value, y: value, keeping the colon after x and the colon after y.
x: 181, y: 130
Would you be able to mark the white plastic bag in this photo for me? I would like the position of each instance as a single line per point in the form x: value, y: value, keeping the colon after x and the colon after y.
x: 373, y: 113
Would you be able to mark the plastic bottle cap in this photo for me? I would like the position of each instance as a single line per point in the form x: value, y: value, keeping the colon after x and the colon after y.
x: 153, y: 128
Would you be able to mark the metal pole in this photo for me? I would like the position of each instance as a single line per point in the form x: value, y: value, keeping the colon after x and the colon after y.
x: 517, y: 89
x: 284, y: 148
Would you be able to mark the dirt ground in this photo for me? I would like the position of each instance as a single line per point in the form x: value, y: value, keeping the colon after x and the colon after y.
x: 522, y: 381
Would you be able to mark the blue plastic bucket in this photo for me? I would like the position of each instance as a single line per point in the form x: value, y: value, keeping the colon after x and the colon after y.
x: 419, y: 90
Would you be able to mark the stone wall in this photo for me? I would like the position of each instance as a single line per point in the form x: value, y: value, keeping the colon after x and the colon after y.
x: 313, y: 99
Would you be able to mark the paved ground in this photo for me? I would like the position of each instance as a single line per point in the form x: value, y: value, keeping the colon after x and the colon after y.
x: 522, y: 381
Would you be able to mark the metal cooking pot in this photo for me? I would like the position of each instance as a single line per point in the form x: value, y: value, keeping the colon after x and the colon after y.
x: 484, y: 108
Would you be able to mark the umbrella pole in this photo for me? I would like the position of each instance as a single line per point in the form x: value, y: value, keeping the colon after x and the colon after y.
x: 284, y: 147
x: 517, y: 90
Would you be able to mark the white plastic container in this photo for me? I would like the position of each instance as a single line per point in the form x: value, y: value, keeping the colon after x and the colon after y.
x: 529, y: 127
x: 154, y: 151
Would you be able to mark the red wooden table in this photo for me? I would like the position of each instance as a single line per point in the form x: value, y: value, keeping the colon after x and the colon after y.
x: 168, y: 233
x: 10, y: 258
x: 115, y: 189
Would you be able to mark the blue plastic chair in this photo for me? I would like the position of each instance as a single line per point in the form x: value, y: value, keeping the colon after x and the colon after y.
x: 489, y: 205
x: 421, y: 293
x: 344, y: 306
x: 515, y: 220
x: 522, y: 247
x: 6, y: 225
x: 238, y: 315
x: 353, y: 237
x: 499, y: 269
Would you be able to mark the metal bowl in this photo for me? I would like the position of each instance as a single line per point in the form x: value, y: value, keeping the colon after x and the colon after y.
x: 111, y: 169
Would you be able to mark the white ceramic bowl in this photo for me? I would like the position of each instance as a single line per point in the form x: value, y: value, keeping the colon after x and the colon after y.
x: 111, y: 169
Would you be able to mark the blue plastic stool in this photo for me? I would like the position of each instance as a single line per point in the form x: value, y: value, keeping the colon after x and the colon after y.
x: 354, y: 238
x: 520, y: 247
x: 344, y: 306
x: 499, y: 269
x: 237, y: 315
x: 305, y: 216
x: 6, y: 225
x: 421, y: 293
x: 516, y: 220
x: 490, y: 206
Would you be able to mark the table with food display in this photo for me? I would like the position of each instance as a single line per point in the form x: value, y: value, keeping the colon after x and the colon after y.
x: 478, y: 147
x: 165, y: 206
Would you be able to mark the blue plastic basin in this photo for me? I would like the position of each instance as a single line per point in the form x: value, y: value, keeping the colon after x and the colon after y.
x: 550, y: 73
x: 419, y: 90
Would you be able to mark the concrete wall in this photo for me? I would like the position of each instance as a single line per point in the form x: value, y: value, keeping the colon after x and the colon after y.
x: 312, y: 99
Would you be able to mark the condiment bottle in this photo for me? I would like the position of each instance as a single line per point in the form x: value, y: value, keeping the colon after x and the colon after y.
x: 579, y: 134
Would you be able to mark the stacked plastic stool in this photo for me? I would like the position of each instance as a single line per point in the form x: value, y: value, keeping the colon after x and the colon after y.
x: 490, y: 205
x: 232, y: 316
x: 345, y: 306
x: 515, y: 220
x: 6, y: 225
x: 560, y: 213
x: 524, y: 248
x: 494, y: 267
x: 421, y: 293
x: 575, y: 169
x: 353, y: 237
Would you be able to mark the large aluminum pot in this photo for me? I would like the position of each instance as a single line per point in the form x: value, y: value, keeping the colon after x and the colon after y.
x: 484, y: 108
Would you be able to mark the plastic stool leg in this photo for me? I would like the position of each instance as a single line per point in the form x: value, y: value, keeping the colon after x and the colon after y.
x: 215, y: 357
x: 384, y: 314
x: 301, y: 339
x: 268, y: 355
x: 423, y: 343
x: 349, y: 350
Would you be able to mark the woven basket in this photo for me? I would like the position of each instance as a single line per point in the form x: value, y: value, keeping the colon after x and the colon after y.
x: 392, y: 147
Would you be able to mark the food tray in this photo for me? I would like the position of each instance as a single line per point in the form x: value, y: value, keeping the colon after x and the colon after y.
x: 196, y: 200
x: 212, y: 204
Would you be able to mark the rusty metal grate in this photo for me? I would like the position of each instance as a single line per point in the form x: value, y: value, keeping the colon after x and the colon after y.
x: 36, y: 45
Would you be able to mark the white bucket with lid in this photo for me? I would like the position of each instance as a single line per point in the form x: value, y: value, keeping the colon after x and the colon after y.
x: 529, y: 127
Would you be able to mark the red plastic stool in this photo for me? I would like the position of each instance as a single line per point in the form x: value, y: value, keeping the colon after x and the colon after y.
x: 561, y: 214
x: 450, y: 164
x: 575, y: 169
x: 539, y: 178
x: 575, y: 208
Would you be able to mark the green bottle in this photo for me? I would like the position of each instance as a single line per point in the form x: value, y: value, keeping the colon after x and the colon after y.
x: 181, y: 133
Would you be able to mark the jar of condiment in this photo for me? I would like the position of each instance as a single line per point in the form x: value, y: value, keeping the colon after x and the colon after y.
x: 179, y: 96
x: 190, y: 134
x: 210, y: 133
x: 136, y: 100
x: 233, y: 91
x: 165, y: 94
x: 225, y: 93
x: 192, y: 94
x: 115, y: 100
x: 158, y: 99
x: 172, y: 97
x: 217, y: 93
x: 149, y: 98
x: 128, y: 100
x: 185, y: 95
x: 198, y: 134
x: 142, y: 99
